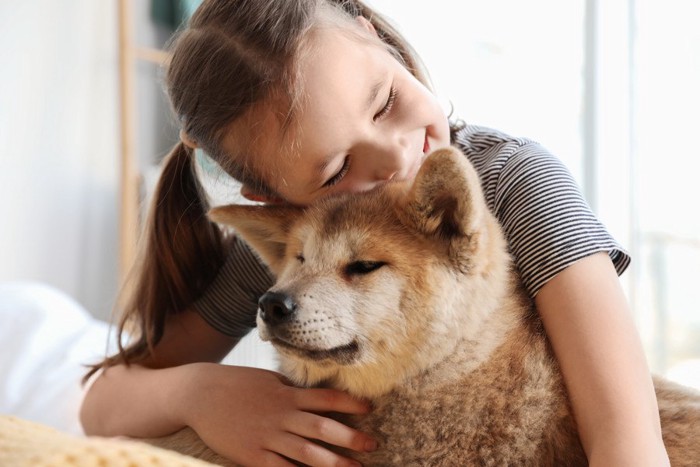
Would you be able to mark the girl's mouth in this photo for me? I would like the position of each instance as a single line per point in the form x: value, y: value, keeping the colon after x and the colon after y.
x: 426, y: 145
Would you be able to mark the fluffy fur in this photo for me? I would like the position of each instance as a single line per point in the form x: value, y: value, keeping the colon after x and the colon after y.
x: 407, y: 296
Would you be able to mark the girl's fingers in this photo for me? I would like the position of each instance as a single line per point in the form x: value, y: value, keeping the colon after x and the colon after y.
x: 330, y: 400
x: 309, y: 453
x: 318, y: 427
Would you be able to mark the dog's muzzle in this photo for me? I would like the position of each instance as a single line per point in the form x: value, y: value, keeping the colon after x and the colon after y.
x: 276, y: 308
x: 279, y: 311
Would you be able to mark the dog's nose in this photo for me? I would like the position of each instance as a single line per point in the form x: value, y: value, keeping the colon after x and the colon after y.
x: 276, y: 308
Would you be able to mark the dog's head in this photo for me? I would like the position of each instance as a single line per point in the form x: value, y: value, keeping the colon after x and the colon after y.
x: 373, y: 288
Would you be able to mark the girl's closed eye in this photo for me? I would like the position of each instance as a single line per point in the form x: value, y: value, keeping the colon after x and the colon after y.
x: 388, y: 105
x: 390, y: 101
x: 340, y: 174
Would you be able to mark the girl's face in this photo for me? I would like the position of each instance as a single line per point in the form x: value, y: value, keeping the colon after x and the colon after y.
x: 365, y: 121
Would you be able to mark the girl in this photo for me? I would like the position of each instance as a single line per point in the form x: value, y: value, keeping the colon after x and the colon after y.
x: 302, y: 99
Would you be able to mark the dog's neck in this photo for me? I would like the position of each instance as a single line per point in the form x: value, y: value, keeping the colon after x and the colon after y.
x: 375, y: 381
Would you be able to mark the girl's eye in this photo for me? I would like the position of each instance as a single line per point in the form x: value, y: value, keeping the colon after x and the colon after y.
x: 340, y: 174
x: 388, y: 105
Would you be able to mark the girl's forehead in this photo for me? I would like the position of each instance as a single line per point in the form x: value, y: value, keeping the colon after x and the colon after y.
x: 324, y: 83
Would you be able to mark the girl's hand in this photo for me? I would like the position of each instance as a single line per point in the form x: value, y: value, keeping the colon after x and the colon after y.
x: 255, y: 417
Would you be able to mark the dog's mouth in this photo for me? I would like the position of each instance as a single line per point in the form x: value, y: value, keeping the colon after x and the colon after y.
x: 344, y: 354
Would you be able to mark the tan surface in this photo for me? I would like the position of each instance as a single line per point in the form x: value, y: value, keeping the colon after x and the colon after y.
x: 24, y: 444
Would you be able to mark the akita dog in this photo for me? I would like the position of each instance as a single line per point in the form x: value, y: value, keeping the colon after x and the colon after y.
x: 407, y: 296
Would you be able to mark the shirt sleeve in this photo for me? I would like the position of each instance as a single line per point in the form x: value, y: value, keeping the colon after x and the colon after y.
x: 548, y: 224
x: 230, y: 303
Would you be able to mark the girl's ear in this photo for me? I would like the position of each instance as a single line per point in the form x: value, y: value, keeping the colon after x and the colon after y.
x: 189, y: 142
x: 366, y: 24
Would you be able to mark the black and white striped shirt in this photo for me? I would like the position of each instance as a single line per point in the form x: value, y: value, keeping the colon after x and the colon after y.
x: 547, y: 222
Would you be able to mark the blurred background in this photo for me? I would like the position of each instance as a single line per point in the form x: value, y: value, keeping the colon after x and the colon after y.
x: 609, y: 87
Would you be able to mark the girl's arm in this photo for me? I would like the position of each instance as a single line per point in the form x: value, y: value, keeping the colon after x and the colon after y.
x: 127, y: 400
x: 250, y: 415
x: 598, y: 348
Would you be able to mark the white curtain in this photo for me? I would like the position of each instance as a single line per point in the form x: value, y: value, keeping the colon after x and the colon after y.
x: 59, y: 146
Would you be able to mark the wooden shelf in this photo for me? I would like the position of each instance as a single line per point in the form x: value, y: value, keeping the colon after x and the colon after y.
x: 131, y: 179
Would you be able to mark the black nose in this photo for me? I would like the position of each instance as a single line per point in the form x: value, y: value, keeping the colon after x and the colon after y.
x: 276, y: 308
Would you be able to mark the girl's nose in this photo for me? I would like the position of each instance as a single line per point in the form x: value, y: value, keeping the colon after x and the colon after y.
x: 389, y: 161
x: 385, y: 174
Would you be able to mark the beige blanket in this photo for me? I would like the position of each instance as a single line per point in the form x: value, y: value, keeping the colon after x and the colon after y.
x: 28, y: 444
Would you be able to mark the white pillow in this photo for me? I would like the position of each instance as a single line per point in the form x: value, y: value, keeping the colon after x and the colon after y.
x: 46, y: 339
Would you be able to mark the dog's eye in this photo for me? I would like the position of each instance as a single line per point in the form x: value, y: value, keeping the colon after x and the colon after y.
x: 357, y: 268
x: 301, y: 258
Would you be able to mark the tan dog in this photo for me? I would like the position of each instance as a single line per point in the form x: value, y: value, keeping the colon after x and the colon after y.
x: 407, y: 296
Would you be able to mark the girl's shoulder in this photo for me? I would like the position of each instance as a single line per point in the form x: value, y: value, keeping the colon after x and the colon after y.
x: 543, y: 213
x: 483, y: 145
x: 478, y: 136
x: 504, y: 162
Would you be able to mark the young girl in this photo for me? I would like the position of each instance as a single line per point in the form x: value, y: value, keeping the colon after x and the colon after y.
x: 302, y: 99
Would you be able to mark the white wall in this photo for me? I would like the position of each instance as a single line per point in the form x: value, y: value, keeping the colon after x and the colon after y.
x: 58, y: 134
x: 513, y: 65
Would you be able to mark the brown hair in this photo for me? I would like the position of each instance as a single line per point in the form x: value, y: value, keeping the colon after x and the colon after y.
x: 232, y: 57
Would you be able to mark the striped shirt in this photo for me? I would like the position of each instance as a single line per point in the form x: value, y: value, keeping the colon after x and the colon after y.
x: 548, y: 225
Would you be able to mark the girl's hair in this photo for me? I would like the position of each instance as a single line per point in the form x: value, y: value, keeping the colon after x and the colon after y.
x: 233, y: 57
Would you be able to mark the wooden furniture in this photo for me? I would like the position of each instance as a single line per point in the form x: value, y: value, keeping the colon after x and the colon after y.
x: 130, y: 179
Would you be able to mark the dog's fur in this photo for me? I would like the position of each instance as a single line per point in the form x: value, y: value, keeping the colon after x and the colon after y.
x: 407, y: 296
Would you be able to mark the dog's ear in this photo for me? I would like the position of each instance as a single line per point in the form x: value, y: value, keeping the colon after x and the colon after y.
x: 446, y: 203
x: 264, y: 227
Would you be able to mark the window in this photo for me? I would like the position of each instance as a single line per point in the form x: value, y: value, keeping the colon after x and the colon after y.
x: 664, y: 118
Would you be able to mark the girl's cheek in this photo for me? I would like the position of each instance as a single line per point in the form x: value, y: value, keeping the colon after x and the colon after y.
x: 418, y: 109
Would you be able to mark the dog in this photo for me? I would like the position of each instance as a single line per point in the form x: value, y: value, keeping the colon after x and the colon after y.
x: 407, y: 296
